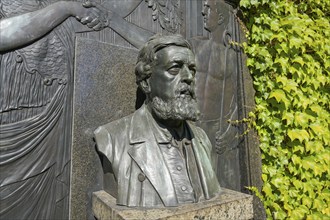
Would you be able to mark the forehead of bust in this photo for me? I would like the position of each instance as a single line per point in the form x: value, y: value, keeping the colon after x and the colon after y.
x: 210, y: 3
x: 175, y: 54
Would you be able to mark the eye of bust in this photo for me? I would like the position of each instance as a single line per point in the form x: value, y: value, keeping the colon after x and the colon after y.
x: 174, y: 69
x: 206, y: 6
x: 192, y: 68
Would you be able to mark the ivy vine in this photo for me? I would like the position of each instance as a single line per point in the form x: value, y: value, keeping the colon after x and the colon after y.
x: 288, y: 51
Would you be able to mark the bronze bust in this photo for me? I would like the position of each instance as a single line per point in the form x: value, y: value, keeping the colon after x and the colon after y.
x: 158, y: 156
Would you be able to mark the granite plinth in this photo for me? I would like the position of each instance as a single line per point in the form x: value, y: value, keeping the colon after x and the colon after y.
x: 228, y: 205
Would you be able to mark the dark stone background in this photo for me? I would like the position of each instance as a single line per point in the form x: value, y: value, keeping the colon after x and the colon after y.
x: 104, y: 91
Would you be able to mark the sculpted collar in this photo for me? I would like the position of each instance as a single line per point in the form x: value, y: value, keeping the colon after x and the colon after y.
x: 162, y: 135
x: 153, y: 166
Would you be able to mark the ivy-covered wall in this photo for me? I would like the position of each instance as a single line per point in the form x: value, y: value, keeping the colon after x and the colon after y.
x: 288, y: 51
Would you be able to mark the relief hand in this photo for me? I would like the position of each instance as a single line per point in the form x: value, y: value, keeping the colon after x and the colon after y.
x: 93, y: 15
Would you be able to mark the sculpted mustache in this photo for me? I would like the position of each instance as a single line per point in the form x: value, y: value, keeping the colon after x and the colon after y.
x: 185, y: 88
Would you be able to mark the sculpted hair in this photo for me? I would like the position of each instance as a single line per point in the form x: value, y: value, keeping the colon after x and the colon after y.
x: 147, y: 55
x: 221, y: 7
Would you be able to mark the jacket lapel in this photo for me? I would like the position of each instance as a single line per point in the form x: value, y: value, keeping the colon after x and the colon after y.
x: 146, y: 153
x: 202, y: 147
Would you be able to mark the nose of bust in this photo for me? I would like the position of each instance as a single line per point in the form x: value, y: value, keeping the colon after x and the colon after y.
x: 187, y: 75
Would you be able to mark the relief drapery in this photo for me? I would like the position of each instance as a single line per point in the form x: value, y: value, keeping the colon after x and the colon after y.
x: 35, y: 128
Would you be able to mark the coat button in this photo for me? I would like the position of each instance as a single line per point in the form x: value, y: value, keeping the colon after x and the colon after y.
x: 141, y: 177
x: 179, y: 168
x: 183, y: 188
x: 186, y: 142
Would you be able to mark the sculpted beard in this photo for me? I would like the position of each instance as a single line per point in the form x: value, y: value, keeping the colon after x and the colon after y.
x: 182, y: 107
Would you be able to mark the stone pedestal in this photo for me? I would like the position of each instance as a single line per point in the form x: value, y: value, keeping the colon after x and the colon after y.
x: 229, y: 205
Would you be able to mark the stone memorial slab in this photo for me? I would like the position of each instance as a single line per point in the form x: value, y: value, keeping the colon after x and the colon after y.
x: 104, y: 91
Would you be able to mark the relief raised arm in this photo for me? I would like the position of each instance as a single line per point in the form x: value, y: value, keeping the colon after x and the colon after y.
x: 24, y: 29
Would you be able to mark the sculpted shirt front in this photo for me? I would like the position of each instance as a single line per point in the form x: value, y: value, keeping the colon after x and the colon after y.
x: 180, y: 160
x: 150, y: 168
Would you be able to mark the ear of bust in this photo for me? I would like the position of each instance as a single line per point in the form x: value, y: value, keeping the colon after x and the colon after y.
x: 145, y: 86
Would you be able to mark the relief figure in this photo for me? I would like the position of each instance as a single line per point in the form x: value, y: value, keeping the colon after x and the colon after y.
x: 36, y: 73
x: 217, y: 87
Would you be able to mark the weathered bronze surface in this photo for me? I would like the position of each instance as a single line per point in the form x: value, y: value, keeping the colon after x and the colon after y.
x: 157, y: 157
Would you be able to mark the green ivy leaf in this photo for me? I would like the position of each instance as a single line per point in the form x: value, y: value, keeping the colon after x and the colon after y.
x: 289, y: 117
x: 298, y: 60
x: 279, y: 95
x: 307, y: 202
x: 309, y: 163
x: 319, y: 204
x: 317, y: 128
x: 302, y: 119
x: 295, y: 42
x: 299, y: 212
x: 296, y: 159
x: 267, y: 189
x: 290, y: 86
x: 314, y: 146
x: 301, y: 135
x: 245, y: 3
